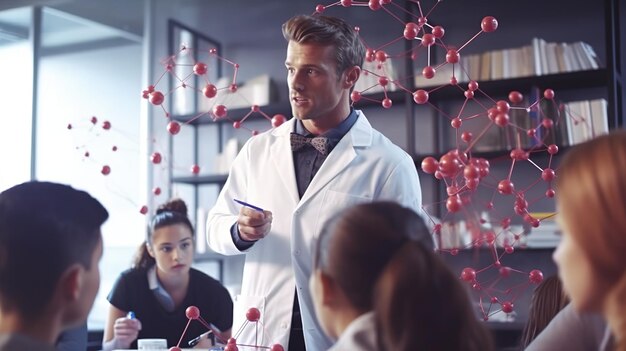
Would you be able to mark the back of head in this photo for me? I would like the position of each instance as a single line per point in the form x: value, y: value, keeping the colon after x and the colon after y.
x: 382, y: 256
x: 592, y: 200
x: 421, y: 305
x: 355, y: 246
x: 44, y: 229
x: 327, y: 31
x: 592, y: 204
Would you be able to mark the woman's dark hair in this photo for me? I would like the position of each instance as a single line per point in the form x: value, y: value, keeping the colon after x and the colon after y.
x: 548, y: 299
x: 382, y: 256
x: 170, y: 213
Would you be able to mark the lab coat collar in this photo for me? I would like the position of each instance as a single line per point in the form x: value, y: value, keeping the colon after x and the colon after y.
x: 360, y: 135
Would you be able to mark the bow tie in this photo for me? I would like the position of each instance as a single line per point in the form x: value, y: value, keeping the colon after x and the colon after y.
x: 321, y: 144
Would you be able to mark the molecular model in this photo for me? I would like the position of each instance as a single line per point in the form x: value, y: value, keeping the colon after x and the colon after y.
x: 462, y: 173
x: 253, y: 315
x: 488, y: 213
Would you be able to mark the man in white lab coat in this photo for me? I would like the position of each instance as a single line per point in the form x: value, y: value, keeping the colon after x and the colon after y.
x: 298, y: 175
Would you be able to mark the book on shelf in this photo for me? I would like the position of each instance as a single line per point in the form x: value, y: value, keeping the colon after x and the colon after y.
x: 537, y: 58
x: 586, y: 119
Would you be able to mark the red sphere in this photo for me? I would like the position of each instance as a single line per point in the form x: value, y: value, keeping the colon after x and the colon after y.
x: 232, y: 88
x: 507, y: 307
x: 535, y: 276
x: 471, y: 171
x: 503, y: 106
x: 454, y: 203
x: 472, y: 85
x: 509, y: 249
x: 253, y: 314
x: 156, y: 191
x: 199, y: 68
x: 156, y: 158
x: 320, y: 8
x: 192, y: 312
x: 449, y: 165
x: 381, y: 56
x: 428, y: 72
x: 195, y: 169
x: 383, y: 81
x: 548, y: 174
x: 355, y: 96
x: 106, y: 125
x: 547, y: 123
x: 143, y: 209
x: 438, y: 32
x: 173, y: 127
x: 489, y: 24
x: 469, y: 94
x: 456, y: 123
x: 548, y: 94
x: 220, y: 111
x: 506, y: 187
x: 550, y: 193
x: 468, y: 274
x: 156, y: 98
x: 553, y: 149
x: 429, y: 165
x: 410, y: 31
x: 209, y: 90
x: 387, y: 103
x: 231, y: 347
x: 516, y: 97
x: 346, y: 3
x: 105, y: 170
x: 428, y: 39
x: 175, y: 348
x: 466, y: 136
x: 277, y: 120
x: 237, y: 124
x: 502, y: 119
x: 277, y: 347
x: 420, y: 96
x: 374, y: 5
x: 452, y: 56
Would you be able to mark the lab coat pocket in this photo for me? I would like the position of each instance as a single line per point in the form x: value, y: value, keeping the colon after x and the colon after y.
x: 335, y: 201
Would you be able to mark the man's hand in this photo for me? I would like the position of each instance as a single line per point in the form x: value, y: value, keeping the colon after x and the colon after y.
x: 253, y: 225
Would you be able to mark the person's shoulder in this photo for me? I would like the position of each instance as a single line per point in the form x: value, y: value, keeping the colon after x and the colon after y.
x: 133, y: 274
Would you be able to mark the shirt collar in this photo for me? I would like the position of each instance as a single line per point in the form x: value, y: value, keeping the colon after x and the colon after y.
x: 335, y: 134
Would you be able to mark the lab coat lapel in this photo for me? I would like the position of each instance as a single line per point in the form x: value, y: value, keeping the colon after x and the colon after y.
x: 360, y: 135
x: 282, y: 158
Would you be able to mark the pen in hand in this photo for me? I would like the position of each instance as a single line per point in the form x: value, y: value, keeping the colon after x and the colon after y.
x: 248, y: 205
x: 195, y: 341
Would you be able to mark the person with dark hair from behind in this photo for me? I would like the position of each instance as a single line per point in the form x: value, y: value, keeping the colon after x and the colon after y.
x: 50, y: 247
x: 161, y: 285
x: 547, y: 300
x: 378, y: 285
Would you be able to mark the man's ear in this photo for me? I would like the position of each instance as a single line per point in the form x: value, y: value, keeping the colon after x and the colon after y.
x: 351, y: 75
x: 329, y: 289
x: 71, y: 282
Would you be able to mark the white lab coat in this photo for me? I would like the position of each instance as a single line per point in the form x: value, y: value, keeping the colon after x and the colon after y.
x: 364, y: 166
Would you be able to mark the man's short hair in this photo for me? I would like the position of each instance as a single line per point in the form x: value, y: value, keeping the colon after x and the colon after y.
x: 44, y: 229
x: 327, y: 31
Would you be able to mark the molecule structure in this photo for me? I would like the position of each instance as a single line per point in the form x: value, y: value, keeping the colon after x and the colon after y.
x: 462, y: 172
x: 253, y: 315
x: 183, y: 72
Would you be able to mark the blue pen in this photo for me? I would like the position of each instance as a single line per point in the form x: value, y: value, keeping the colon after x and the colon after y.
x: 248, y: 205
x: 130, y: 315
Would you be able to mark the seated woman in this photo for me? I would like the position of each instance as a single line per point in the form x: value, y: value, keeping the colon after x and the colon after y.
x: 548, y: 299
x: 160, y: 287
x: 591, y: 204
x: 378, y: 285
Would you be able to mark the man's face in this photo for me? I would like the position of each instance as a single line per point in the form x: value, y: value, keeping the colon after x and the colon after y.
x: 316, y: 92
